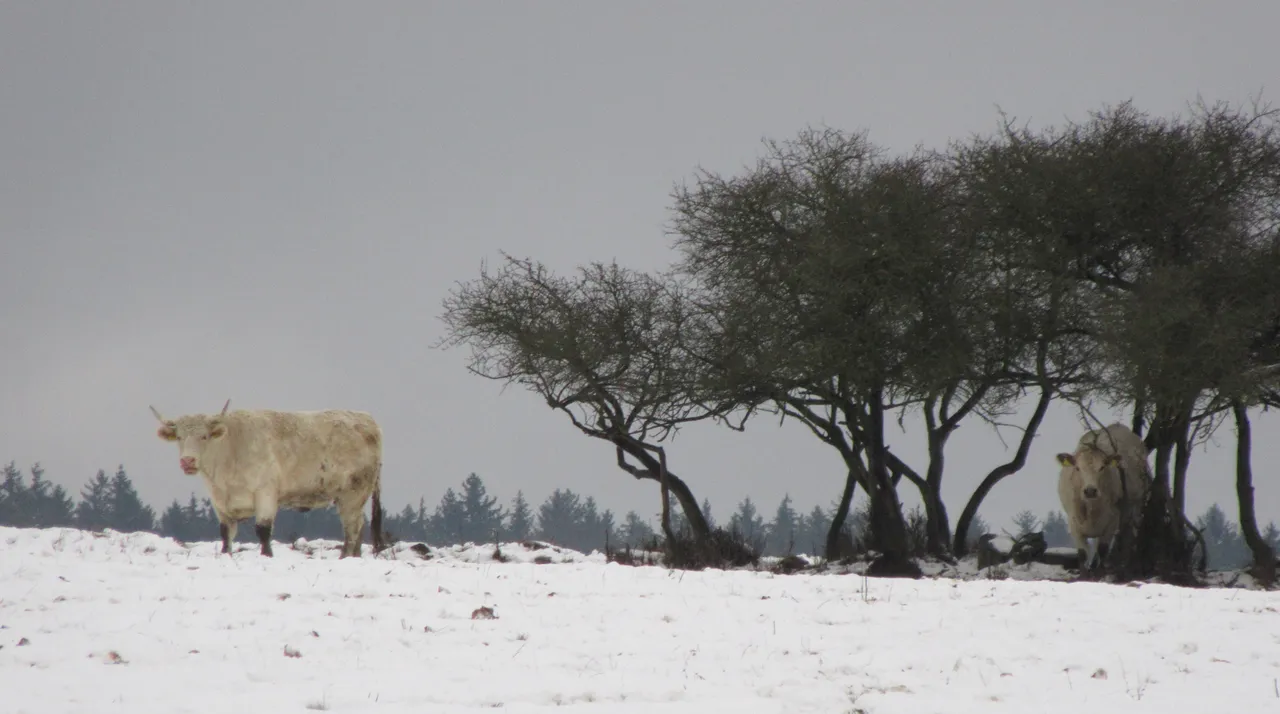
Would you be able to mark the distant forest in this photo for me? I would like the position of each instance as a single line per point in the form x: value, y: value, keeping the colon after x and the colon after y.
x: 471, y: 514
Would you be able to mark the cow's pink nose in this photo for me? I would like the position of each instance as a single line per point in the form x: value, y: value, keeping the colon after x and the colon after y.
x: 187, y: 462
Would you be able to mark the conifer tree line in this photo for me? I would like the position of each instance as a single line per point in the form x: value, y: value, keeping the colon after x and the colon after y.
x: 471, y: 514
x: 1126, y: 262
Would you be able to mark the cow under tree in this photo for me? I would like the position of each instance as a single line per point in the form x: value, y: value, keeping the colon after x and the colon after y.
x: 257, y: 461
x: 1102, y: 486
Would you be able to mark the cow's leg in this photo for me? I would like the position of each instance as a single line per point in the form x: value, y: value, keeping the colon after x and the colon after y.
x: 351, y: 511
x: 1104, y: 547
x: 227, y: 527
x: 1082, y: 549
x: 351, y: 508
x: 264, y: 516
x: 264, y: 537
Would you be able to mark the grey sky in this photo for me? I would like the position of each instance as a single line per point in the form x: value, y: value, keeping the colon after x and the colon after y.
x: 267, y: 202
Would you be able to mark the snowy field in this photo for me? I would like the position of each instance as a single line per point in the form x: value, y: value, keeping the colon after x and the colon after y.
x: 138, y: 624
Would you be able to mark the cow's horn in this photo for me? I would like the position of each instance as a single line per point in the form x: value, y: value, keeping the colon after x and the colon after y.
x: 153, y: 411
x: 224, y: 408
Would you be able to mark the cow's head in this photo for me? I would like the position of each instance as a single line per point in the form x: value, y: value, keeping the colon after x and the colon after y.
x: 1092, y: 465
x: 193, y: 433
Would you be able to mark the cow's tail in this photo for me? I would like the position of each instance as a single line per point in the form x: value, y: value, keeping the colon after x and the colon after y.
x: 375, y: 521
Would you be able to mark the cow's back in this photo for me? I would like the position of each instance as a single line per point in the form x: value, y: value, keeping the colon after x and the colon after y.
x: 1115, y: 438
x: 314, y: 455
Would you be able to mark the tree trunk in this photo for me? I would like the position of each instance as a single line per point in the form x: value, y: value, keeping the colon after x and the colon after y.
x: 961, y: 545
x: 664, y: 478
x: 890, y: 532
x: 1164, y: 451
x: 1181, y: 462
x: 940, y: 425
x: 1139, y: 416
x: 1264, y: 560
x: 887, y: 523
x: 835, y: 551
x: 1160, y: 546
x: 939, y: 527
x: 935, y: 510
x: 653, y: 470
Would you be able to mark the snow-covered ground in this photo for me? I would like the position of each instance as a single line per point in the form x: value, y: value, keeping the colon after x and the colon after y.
x: 137, y: 623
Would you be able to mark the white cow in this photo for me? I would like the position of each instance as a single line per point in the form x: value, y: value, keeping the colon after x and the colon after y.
x: 257, y: 461
x: 1090, y: 486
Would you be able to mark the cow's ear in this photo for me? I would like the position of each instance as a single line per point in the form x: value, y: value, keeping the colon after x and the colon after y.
x: 167, y: 431
x: 1066, y: 459
x: 217, y: 429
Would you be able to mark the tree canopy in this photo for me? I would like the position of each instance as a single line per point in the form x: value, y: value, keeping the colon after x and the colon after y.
x: 1127, y: 260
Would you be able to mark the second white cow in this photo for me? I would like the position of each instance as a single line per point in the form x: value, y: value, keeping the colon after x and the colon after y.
x: 1091, y: 489
x: 257, y: 461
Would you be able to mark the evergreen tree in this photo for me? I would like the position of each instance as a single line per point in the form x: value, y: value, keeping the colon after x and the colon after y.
x: 594, y: 528
x: 560, y: 519
x: 448, y: 523
x: 1225, y: 548
x: 635, y: 532
x: 58, y: 510
x: 173, y: 522
x: 404, y: 526
x: 93, y: 513
x: 53, y: 507
x: 557, y: 516
x: 1056, y: 534
x: 14, y: 508
x: 812, y: 531
x: 607, y: 528
x: 410, y: 524
x: 1025, y: 522
x: 128, y: 514
x: 1272, y: 535
x: 202, y: 519
x: 38, y: 494
x: 748, y: 523
x: 193, y: 523
x: 424, y: 519
x: 482, y: 517
x: 519, y: 519
x: 38, y: 505
x: 782, y: 531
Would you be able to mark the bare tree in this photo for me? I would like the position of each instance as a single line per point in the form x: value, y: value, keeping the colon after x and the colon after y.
x: 1157, y: 218
x: 812, y: 266
x: 1036, y: 333
x: 1254, y: 380
x: 1264, y: 559
x: 604, y: 347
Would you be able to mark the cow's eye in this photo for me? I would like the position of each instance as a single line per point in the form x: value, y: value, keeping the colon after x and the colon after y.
x: 204, y: 437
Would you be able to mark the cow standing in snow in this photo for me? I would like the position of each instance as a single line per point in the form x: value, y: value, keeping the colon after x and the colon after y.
x: 256, y: 461
x: 1096, y: 500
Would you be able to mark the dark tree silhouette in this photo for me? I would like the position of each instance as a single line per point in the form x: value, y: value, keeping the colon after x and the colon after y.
x: 603, y: 347
x: 128, y: 513
x: 519, y: 518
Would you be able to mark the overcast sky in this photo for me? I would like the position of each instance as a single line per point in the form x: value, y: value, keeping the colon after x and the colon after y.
x: 267, y: 202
